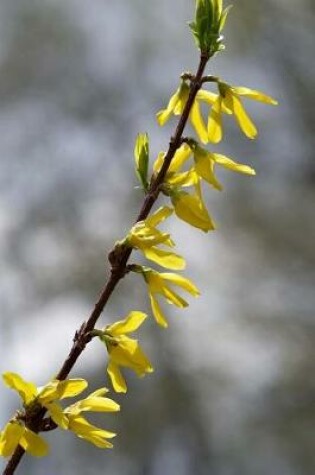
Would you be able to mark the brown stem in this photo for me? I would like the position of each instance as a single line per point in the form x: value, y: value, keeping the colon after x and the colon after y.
x: 120, y: 259
x: 14, y: 461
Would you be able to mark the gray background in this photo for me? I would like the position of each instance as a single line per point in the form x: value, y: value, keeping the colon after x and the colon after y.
x: 233, y: 391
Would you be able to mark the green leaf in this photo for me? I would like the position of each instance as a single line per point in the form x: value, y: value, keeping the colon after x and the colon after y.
x: 224, y: 17
x: 208, y: 23
x: 141, y: 154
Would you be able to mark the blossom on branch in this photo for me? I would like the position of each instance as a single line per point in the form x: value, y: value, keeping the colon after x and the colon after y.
x: 206, y: 161
x: 173, y: 175
x: 124, y: 351
x: 146, y: 237
x: 188, y: 207
x: 191, y: 209
x: 16, y: 433
x: 228, y: 100
x: 46, y: 396
x: 95, y: 402
x: 176, y: 106
x: 159, y: 283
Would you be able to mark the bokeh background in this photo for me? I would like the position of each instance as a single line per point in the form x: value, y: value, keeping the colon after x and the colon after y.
x: 233, y: 392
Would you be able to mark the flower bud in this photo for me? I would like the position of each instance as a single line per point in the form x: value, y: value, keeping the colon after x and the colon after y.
x: 141, y: 154
x: 209, y: 22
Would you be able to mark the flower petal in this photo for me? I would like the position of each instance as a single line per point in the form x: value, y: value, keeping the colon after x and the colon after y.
x: 207, y: 96
x: 226, y: 162
x: 128, y: 353
x: 198, y: 122
x: 131, y: 323
x: 26, y: 390
x: 244, y: 121
x: 80, y: 426
x: 190, y: 209
x: 205, y: 167
x: 182, y: 98
x: 98, y: 404
x: 166, y: 259
x: 215, y: 132
x: 142, y: 236
x: 117, y: 379
x: 97, y: 439
x: 99, y: 392
x: 10, y: 438
x: 182, y: 154
x: 210, y: 98
x: 173, y: 298
x: 157, y: 165
x: 158, y: 216
x: 56, y: 390
x: 83, y: 429
x: 255, y: 95
x: 157, y: 312
x: 164, y: 114
x: 182, y: 282
x: 57, y: 415
x: 185, y: 179
x: 34, y: 444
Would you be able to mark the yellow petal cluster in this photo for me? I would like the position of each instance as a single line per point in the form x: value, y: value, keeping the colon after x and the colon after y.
x: 47, y: 395
x: 176, y: 106
x: 188, y: 207
x: 124, y: 351
x: 173, y: 175
x: 191, y: 209
x: 160, y: 283
x: 17, y: 433
x: 146, y: 237
x: 205, y: 162
x: 95, y: 402
x: 229, y: 100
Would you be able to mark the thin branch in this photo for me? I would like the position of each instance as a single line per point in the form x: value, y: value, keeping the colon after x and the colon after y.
x: 118, y: 259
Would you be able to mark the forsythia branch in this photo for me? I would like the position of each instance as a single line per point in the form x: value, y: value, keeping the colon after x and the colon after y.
x: 42, y: 410
x: 118, y: 271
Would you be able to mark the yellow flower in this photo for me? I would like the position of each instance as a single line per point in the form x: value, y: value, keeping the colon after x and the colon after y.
x: 188, y: 207
x: 124, y: 351
x: 47, y: 395
x: 173, y: 176
x: 176, y: 106
x: 229, y: 100
x: 204, y: 167
x: 95, y: 402
x: 83, y: 429
x: 146, y: 237
x: 191, y: 209
x: 15, y: 433
x: 159, y: 284
x: 205, y: 163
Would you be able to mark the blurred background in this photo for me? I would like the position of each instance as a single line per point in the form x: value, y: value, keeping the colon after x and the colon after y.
x: 233, y: 392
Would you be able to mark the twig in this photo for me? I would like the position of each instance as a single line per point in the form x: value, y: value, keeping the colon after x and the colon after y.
x: 118, y: 260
